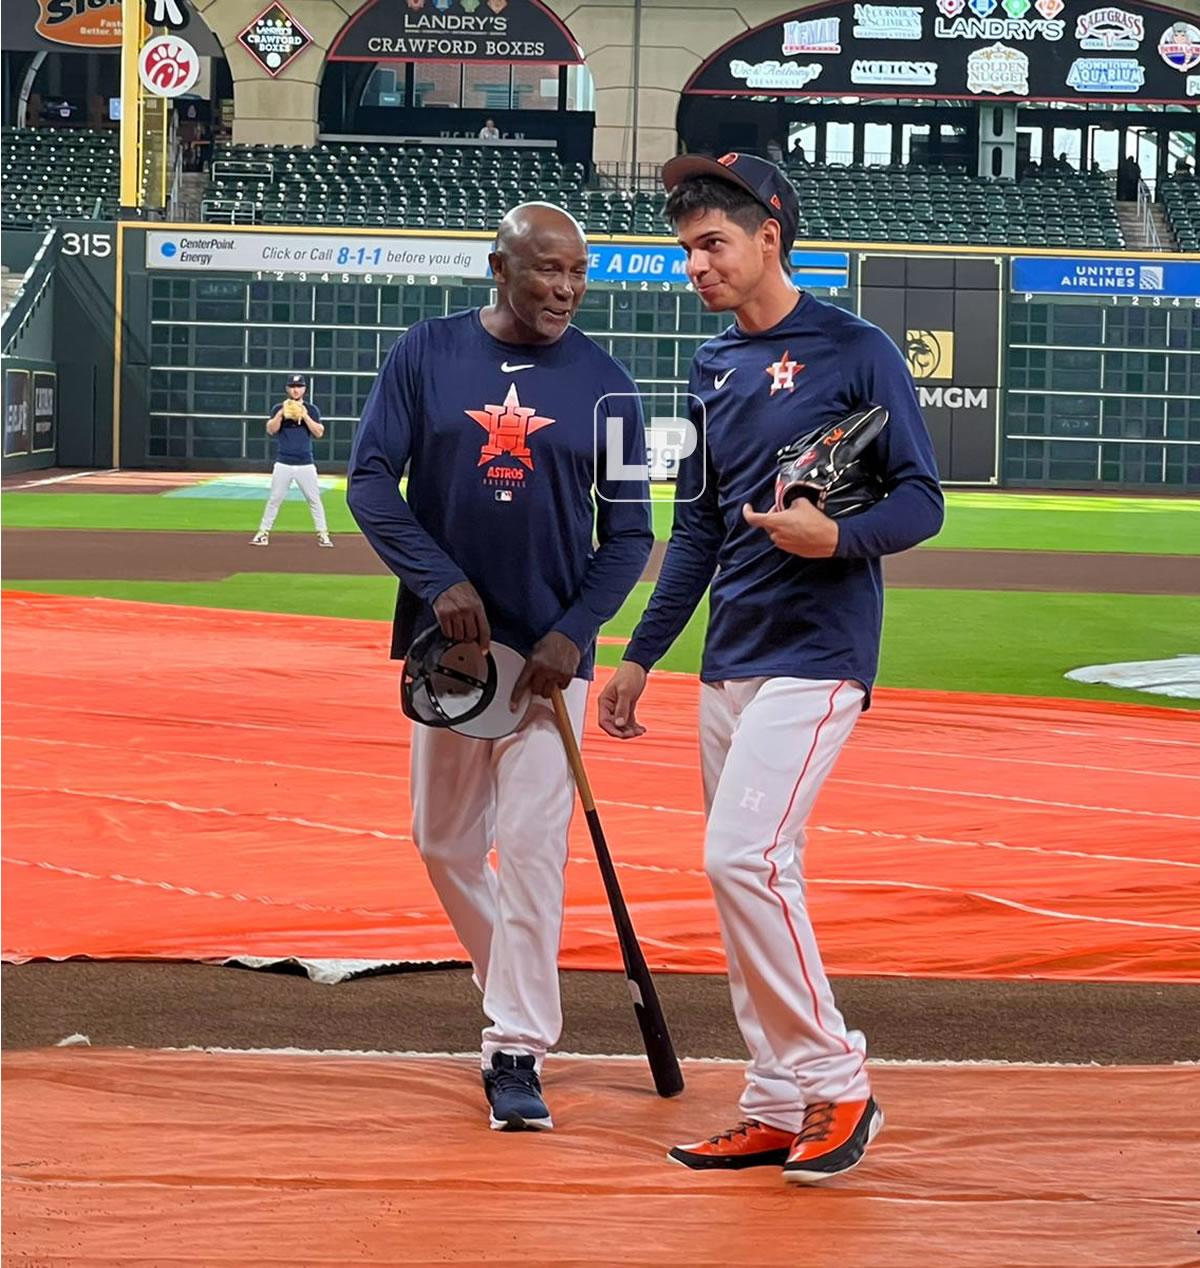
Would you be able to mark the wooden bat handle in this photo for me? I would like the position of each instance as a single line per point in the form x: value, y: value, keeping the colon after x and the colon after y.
x: 567, y: 731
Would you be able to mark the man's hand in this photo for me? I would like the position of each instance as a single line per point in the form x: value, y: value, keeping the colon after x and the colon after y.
x: 800, y: 530
x: 552, y: 663
x: 619, y: 699
x: 460, y: 613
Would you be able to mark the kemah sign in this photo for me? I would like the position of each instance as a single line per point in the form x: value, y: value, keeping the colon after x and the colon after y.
x: 274, y: 39
x: 1018, y: 50
x: 455, y: 30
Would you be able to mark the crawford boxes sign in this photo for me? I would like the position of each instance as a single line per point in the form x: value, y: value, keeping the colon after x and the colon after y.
x: 455, y: 30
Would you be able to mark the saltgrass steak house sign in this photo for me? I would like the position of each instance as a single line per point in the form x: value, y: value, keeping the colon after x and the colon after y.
x: 1039, y: 50
x: 455, y: 30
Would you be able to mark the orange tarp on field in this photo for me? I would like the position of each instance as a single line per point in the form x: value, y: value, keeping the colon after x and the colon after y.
x: 189, y: 783
x: 143, y: 1158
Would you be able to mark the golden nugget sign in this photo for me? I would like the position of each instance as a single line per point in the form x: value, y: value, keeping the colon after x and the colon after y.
x: 81, y: 23
x: 455, y: 30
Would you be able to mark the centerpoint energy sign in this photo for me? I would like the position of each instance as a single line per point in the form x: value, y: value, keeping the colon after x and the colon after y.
x: 455, y: 30
x: 357, y: 254
x: 1036, y: 50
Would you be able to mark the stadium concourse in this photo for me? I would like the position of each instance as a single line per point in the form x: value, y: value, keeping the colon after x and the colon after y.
x: 1001, y: 881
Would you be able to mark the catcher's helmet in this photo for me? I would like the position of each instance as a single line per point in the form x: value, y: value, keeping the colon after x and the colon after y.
x: 827, y: 466
x: 457, y: 685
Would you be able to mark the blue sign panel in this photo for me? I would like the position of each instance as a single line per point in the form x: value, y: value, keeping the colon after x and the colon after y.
x: 1055, y: 275
x: 813, y: 270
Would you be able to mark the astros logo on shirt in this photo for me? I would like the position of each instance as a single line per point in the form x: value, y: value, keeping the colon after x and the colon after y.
x: 508, y: 428
x: 783, y: 373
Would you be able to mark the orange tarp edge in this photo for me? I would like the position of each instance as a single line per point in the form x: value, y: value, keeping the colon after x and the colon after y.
x: 143, y: 1158
x: 194, y: 784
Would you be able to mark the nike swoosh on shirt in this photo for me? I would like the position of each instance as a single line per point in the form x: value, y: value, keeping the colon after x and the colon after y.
x: 719, y: 380
x: 512, y: 369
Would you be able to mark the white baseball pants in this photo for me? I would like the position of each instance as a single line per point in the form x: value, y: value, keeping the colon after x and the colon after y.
x: 305, y: 476
x: 767, y: 745
x: 516, y: 793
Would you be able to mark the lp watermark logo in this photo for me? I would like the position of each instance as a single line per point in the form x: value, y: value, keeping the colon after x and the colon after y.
x: 672, y: 434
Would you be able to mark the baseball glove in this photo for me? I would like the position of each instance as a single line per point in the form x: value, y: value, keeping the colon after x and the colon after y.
x: 293, y: 411
x: 829, y: 466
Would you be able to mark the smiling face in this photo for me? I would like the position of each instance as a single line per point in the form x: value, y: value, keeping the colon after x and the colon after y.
x: 726, y: 263
x: 540, y: 267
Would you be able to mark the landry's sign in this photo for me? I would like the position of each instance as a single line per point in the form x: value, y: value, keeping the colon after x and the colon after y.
x: 455, y: 30
x: 81, y: 23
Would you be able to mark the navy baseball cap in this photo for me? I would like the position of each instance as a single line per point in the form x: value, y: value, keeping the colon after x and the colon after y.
x: 297, y: 380
x: 759, y: 177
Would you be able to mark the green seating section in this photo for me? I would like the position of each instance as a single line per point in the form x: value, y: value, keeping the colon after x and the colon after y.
x: 882, y: 204
x: 452, y: 187
x: 52, y: 174
x: 444, y: 187
x: 58, y: 174
x: 1181, y: 200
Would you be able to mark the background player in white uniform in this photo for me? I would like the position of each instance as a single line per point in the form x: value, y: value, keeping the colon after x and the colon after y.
x: 493, y: 413
x: 295, y: 424
x: 792, y: 644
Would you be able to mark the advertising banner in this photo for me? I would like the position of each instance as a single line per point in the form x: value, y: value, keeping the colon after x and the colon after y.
x: 1035, y: 50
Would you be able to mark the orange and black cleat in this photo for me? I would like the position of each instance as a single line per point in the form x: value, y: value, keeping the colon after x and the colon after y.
x: 832, y: 1140
x: 749, y: 1144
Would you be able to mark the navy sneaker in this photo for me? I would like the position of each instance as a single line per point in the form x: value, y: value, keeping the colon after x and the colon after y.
x: 514, y: 1092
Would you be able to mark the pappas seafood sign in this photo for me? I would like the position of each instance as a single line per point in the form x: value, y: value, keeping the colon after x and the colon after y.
x: 1036, y: 50
x: 456, y: 30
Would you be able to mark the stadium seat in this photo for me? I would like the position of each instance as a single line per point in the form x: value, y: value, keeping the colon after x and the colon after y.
x: 50, y: 174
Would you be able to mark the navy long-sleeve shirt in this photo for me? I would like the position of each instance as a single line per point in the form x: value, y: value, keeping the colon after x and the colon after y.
x: 773, y: 614
x: 503, y: 452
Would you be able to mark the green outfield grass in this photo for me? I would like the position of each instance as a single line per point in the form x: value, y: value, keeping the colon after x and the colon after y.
x: 944, y: 640
x: 974, y: 521
x: 142, y: 513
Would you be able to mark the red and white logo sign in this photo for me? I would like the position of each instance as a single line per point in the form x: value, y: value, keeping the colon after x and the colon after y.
x: 1180, y: 46
x: 168, y: 66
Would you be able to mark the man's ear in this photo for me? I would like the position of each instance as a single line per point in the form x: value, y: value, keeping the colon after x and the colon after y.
x: 496, y: 263
x: 771, y: 232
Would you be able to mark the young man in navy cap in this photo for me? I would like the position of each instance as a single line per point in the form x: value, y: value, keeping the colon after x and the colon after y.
x: 792, y: 646
x: 295, y: 424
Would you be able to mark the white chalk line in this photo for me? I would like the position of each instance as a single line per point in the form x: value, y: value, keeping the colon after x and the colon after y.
x: 408, y: 1054
x: 120, y: 879
x: 873, y: 784
x: 191, y: 721
x: 160, y: 754
x: 1118, y: 811
x: 62, y: 479
x: 652, y: 808
x: 1133, y: 739
x: 594, y: 755
x: 861, y: 747
x: 882, y: 883
x: 183, y: 808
